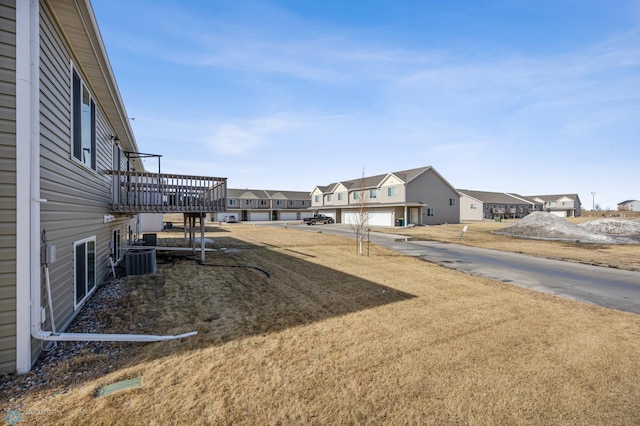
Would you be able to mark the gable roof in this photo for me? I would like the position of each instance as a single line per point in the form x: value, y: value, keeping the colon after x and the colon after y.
x: 494, y: 197
x: 369, y: 182
x: 267, y: 194
x: 628, y: 202
x: 555, y: 197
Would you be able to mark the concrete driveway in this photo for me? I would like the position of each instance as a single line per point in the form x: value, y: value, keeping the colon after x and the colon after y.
x: 607, y: 287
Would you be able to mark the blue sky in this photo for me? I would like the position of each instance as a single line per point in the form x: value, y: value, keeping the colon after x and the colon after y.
x: 524, y: 96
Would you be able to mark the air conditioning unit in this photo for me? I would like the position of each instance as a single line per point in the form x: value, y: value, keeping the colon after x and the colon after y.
x: 140, y: 262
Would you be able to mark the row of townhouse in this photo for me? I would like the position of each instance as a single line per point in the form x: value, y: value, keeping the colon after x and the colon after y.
x: 264, y: 205
x: 418, y: 196
x: 71, y: 181
x: 480, y: 205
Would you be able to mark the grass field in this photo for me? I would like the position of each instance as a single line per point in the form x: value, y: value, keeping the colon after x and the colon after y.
x: 294, y: 328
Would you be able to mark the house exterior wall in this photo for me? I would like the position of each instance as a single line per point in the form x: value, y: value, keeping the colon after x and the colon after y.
x: 77, y: 196
x: 470, y: 209
x: 8, y: 187
x: 429, y: 188
x: 631, y: 206
x: 387, y: 185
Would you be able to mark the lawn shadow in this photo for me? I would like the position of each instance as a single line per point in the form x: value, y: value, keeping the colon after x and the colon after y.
x: 242, y: 290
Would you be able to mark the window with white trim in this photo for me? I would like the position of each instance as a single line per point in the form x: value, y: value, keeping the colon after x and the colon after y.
x: 116, y: 251
x: 430, y: 211
x: 452, y: 201
x: 263, y: 202
x: 84, y: 123
x: 278, y: 202
x: 391, y: 191
x: 473, y: 206
x: 84, y: 269
x: 356, y: 195
x: 232, y: 202
x: 316, y: 198
x: 340, y: 196
x: 247, y: 202
x: 329, y: 197
x: 373, y: 193
x: 292, y: 203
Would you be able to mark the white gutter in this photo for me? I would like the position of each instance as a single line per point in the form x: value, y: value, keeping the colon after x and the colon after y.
x: 28, y: 267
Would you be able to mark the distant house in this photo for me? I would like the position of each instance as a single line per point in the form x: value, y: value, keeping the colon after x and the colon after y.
x: 71, y: 183
x: 629, y: 206
x: 563, y: 205
x: 417, y: 196
x: 265, y: 205
x: 479, y: 205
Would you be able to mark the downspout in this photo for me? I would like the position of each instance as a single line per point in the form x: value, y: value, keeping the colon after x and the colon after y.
x: 32, y: 75
x: 27, y: 22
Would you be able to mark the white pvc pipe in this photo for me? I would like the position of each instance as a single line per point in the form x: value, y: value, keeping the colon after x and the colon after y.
x: 95, y: 337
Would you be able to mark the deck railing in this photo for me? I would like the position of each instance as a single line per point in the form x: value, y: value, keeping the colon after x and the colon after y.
x: 143, y: 192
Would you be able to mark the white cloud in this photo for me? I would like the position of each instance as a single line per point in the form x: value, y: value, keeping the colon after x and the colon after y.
x: 242, y: 138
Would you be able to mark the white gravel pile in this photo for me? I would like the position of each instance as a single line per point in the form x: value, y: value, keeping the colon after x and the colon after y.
x: 546, y: 226
x: 613, y: 226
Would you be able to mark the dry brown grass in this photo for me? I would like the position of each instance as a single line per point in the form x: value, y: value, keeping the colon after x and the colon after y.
x: 623, y: 256
x: 334, y: 338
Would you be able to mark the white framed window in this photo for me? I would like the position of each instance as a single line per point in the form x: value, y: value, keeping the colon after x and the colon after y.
x: 391, y: 191
x: 84, y: 269
x: 116, y: 250
x: 473, y: 206
x: 278, y: 202
x: 304, y: 202
x: 356, y: 195
x: 83, y: 110
x: 430, y: 211
x: 263, y: 202
x: 452, y: 201
x: 316, y: 198
x: 292, y: 202
x: 232, y: 202
x: 329, y: 197
x: 373, y: 193
x: 247, y: 202
x: 340, y: 196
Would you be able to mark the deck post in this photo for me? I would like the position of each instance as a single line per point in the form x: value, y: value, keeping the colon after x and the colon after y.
x: 184, y: 226
x: 202, y: 256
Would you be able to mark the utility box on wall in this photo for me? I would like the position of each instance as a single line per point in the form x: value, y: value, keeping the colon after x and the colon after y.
x: 150, y: 222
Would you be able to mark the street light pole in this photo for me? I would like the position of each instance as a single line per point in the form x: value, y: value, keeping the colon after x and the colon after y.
x: 593, y: 195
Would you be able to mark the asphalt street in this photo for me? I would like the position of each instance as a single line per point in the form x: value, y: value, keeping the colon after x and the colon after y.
x: 607, y: 287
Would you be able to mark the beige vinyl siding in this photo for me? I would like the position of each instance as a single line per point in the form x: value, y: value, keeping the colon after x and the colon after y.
x: 430, y: 188
x: 7, y: 186
x: 77, y: 196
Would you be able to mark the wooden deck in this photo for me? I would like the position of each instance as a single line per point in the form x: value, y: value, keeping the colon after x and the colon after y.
x: 143, y: 192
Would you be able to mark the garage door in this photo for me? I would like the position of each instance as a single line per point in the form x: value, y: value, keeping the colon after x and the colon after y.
x: 561, y: 213
x: 331, y: 214
x: 256, y: 216
x: 288, y: 216
x: 376, y: 218
x: 383, y: 218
